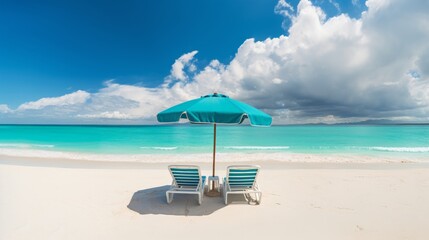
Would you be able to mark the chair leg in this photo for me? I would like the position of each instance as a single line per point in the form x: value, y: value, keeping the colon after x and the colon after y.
x: 226, y: 198
x: 169, y: 197
x: 259, y: 198
x: 201, y: 196
x: 224, y: 192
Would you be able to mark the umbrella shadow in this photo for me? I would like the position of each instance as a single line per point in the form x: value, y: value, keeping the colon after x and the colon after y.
x: 153, y: 201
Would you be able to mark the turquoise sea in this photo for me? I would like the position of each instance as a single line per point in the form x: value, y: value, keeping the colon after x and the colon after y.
x: 392, y: 140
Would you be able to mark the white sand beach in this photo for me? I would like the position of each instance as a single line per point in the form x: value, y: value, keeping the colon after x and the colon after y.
x: 70, y: 199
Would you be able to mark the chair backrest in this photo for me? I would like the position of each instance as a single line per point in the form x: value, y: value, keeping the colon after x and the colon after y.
x: 185, y: 175
x: 242, y: 175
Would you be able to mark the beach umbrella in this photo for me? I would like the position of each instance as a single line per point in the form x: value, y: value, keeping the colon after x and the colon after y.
x: 215, y: 109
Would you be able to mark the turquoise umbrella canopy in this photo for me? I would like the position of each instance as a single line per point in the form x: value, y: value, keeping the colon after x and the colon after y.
x: 215, y: 108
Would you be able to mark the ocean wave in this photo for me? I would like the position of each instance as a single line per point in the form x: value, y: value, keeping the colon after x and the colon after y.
x: 401, y: 149
x: 38, y: 154
x: 25, y: 145
x: 160, y: 148
x: 257, y: 147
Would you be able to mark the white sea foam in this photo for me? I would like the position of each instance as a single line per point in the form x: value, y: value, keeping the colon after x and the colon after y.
x: 205, y: 157
x: 257, y: 147
x: 401, y: 149
x: 160, y: 148
x: 25, y: 145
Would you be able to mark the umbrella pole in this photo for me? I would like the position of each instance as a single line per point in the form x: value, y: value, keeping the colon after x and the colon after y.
x: 214, y: 149
x: 214, y: 192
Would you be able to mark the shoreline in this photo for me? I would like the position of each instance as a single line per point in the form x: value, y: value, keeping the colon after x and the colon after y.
x: 206, y: 165
x: 239, y: 157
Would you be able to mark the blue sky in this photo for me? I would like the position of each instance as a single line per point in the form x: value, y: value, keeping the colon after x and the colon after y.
x: 51, y: 49
x: 55, y: 47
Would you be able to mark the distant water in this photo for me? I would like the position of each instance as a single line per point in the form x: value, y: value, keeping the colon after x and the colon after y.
x: 409, y: 140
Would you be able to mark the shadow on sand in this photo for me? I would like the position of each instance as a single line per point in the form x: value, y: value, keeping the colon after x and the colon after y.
x: 153, y: 201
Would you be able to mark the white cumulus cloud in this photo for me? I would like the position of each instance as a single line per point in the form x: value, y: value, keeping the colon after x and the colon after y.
x: 4, y: 108
x: 178, y: 68
x: 77, y: 97
x: 284, y: 9
x: 108, y: 115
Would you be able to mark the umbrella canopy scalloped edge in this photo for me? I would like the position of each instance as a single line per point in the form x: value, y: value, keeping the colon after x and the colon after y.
x: 215, y: 108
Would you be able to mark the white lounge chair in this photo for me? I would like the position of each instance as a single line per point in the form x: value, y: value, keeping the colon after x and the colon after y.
x: 241, y: 179
x: 187, y: 179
